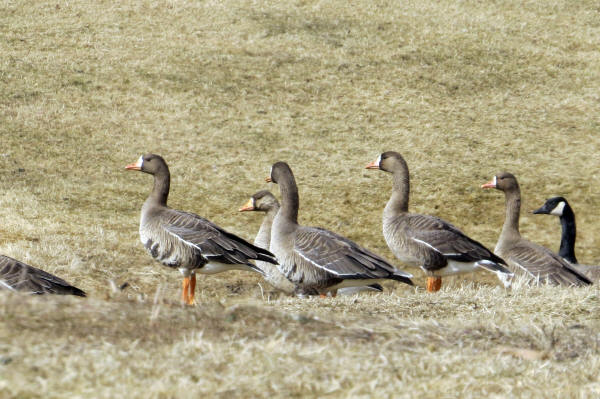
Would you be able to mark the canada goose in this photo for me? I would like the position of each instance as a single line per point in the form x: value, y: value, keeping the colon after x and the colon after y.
x: 435, y: 245
x: 523, y: 256
x: 265, y: 201
x: 18, y: 276
x: 317, y: 260
x: 185, y: 240
x: 558, y: 206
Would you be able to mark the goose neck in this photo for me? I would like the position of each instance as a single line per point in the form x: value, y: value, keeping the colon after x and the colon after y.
x: 290, y: 200
x: 568, y: 236
x: 160, y: 191
x: 263, y: 237
x: 398, y: 202
x: 510, y: 228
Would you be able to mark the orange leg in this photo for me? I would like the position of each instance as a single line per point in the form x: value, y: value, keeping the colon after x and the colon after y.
x: 192, y: 287
x: 333, y: 293
x: 434, y: 284
x: 186, y: 290
x: 322, y: 295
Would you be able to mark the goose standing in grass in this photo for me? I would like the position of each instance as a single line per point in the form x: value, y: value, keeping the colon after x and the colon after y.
x: 435, y: 245
x: 18, y: 276
x: 265, y: 201
x: 317, y: 260
x: 187, y: 241
x: 558, y: 206
x: 525, y: 257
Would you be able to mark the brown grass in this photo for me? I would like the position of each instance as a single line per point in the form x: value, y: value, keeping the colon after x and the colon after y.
x: 224, y: 89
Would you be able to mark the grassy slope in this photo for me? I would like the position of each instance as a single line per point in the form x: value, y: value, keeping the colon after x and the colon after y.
x: 223, y: 89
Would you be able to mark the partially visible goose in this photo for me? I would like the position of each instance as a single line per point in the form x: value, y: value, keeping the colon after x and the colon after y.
x: 18, y: 276
x: 265, y: 201
x: 558, y: 206
x: 187, y: 241
x: 523, y: 256
x: 435, y: 245
x: 317, y: 260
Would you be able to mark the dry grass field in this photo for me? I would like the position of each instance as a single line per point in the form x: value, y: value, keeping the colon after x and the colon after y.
x: 222, y: 89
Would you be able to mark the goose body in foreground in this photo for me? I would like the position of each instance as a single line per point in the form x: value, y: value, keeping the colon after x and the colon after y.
x: 559, y: 206
x: 523, y: 256
x: 187, y: 241
x: 18, y: 276
x: 316, y: 260
x: 435, y: 245
x: 265, y: 201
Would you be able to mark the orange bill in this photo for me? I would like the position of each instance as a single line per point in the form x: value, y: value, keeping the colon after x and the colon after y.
x: 373, y: 165
x: 248, y: 206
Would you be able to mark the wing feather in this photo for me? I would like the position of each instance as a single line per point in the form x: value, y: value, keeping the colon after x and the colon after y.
x: 213, y: 242
x: 19, y: 276
x: 542, y: 264
x: 339, y: 257
x: 444, y: 239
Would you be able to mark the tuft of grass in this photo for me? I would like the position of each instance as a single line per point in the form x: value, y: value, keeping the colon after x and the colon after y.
x: 224, y: 89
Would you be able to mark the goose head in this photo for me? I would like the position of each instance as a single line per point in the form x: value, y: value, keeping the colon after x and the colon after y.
x: 262, y: 201
x: 553, y: 206
x: 149, y: 163
x: 503, y: 181
x: 279, y: 172
x: 387, y: 161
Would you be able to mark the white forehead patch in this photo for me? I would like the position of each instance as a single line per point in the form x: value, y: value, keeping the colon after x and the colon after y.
x: 379, y: 160
x: 495, y: 181
x: 140, y: 161
x: 558, y: 209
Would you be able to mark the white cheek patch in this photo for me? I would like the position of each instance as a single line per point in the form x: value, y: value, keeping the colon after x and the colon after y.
x: 558, y: 209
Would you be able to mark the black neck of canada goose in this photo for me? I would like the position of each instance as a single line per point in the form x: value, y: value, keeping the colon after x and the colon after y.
x: 290, y: 201
x: 558, y: 206
x: 569, y: 234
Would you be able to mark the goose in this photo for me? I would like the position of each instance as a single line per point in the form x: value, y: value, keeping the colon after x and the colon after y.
x: 559, y: 206
x: 185, y: 240
x: 317, y: 260
x: 523, y: 256
x: 265, y: 201
x: 433, y: 244
x: 18, y: 276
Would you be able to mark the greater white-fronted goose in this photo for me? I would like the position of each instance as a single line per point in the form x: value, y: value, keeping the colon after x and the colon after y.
x: 187, y: 241
x: 435, y: 245
x: 523, y: 256
x: 265, y: 201
x: 317, y: 260
x: 559, y: 206
x: 18, y: 276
